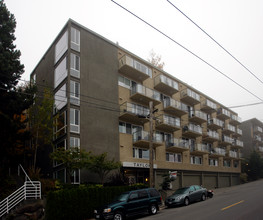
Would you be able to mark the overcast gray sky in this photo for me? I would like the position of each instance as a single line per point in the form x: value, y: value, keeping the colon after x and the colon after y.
x: 235, y: 24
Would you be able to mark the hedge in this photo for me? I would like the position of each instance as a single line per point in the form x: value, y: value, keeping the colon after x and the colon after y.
x: 80, y: 202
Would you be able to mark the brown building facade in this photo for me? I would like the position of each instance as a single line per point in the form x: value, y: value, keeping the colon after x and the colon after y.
x: 102, y: 94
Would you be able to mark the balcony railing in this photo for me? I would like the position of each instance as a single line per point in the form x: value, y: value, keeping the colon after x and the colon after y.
x: 134, y: 113
x: 143, y: 94
x: 134, y: 69
x: 199, y: 148
x: 142, y: 138
x: 215, y: 123
x: 174, y: 107
x: 233, y: 154
x: 257, y: 138
x: 198, y: 117
x: 190, y: 96
x: 208, y: 106
x: 165, y: 85
x: 227, y: 140
x: 239, y: 131
x: 258, y: 130
x: 218, y: 151
x: 235, y: 120
x: 192, y: 130
x: 211, y: 136
x: 223, y: 114
x: 177, y: 145
x: 238, y: 143
x: 260, y: 149
x: 168, y: 123
x: 229, y: 129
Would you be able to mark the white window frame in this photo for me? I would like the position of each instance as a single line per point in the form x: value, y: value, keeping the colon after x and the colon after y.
x: 75, y: 141
x: 74, y: 124
x: 196, y: 160
x: 213, y: 162
x: 56, y: 174
x: 74, y: 176
x: 74, y: 95
x: 74, y: 65
x: 75, y: 39
x: 173, y: 157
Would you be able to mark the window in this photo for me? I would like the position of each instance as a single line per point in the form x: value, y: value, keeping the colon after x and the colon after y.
x: 123, y: 81
x: 196, y: 160
x: 74, y: 120
x: 60, y: 72
x: 75, y: 39
x: 236, y: 163
x: 61, y: 144
x: 174, y: 157
x: 75, y: 176
x: 143, y: 194
x: 213, y: 162
x: 60, y: 125
x: 142, y: 153
x: 61, y: 46
x: 74, y: 142
x: 74, y: 92
x: 60, y: 98
x: 60, y: 175
x: 227, y: 163
x: 74, y: 65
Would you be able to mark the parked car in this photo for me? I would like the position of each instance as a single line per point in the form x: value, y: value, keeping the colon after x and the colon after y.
x: 131, y: 203
x: 186, y: 195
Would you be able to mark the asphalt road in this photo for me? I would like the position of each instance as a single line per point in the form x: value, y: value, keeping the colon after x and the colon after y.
x: 238, y: 202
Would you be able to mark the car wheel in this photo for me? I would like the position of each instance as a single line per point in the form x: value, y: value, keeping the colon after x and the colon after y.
x: 186, y: 201
x: 118, y: 216
x: 203, y: 197
x: 153, y: 209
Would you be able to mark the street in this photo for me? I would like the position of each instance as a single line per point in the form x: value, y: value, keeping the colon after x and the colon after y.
x: 238, y: 202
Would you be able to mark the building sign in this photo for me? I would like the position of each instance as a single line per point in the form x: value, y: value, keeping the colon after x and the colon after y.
x: 138, y: 165
x: 173, y: 175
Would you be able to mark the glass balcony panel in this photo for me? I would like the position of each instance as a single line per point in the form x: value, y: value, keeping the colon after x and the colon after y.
x: 208, y: 106
x: 190, y: 96
x: 223, y: 114
x: 165, y: 85
x: 142, y: 139
x: 175, y: 107
x: 198, y: 117
x: 235, y: 120
x: 143, y: 94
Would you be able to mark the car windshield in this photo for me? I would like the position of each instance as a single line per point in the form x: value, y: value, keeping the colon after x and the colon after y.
x: 122, y: 197
x: 182, y: 190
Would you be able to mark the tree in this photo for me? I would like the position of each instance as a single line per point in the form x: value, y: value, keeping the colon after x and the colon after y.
x: 41, y: 122
x: 254, y: 166
x: 14, y: 100
x: 101, y: 165
x: 155, y: 60
x: 72, y: 158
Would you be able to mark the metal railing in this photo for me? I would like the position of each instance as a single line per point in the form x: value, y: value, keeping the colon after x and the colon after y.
x: 30, y: 190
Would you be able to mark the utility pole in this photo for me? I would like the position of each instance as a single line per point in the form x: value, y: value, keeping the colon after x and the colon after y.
x: 151, y: 145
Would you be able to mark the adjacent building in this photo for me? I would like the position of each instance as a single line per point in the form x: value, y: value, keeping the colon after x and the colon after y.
x: 252, y: 136
x: 102, y: 94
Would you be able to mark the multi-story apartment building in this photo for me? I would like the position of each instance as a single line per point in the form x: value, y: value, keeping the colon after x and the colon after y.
x: 252, y: 136
x: 102, y: 94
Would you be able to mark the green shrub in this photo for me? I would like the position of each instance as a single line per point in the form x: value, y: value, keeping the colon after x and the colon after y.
x: 80, y: 202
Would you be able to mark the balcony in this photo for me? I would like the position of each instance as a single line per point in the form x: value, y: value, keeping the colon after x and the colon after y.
x: 229, y: 129
x: 168, y: 123
x: 215, y: 123
x: 192, y: 131
x: 260, y: 149
x: 258, y: 130
x: 199, y: 149
x: 218, y: 152
x: 174, y: 107
x: 190, y: 97
x: 257, y: 139
x: 226, y: 140
x: 238, y: 133
x: 144, y: 95
x: 235, y: 120
x: 133, y: 113
x: 198, y: 117
x: 237, y: 144
x: 142, y: 139
x: 177, y: 145
x: 211, y: 136
x: 165, y: 85
x: 232, y: 154
x: 208, y: 106
x: 223, y: 114
x: 134, y: 69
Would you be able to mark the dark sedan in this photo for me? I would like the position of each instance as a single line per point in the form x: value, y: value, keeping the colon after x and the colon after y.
x: 186, y: 195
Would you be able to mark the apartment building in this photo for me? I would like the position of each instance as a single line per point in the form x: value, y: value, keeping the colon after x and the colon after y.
x: 252, y: 136
x: 102, y: 94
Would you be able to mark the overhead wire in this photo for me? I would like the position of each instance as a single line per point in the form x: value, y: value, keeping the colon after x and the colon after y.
x: 215, y: 41
x: 170, y: 38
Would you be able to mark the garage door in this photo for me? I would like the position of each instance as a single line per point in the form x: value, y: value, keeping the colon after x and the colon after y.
x: 191, y: 180
x: 210, y: 182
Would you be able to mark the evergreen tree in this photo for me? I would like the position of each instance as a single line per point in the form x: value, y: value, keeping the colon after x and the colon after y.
x: 14, y: 100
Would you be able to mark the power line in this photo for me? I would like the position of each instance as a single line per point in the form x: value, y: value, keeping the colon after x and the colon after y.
x: 216, y: 42
x: 245, y: 105
x: 187, y: 50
